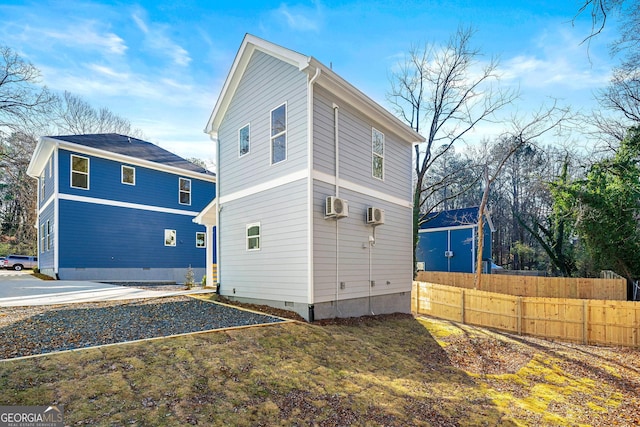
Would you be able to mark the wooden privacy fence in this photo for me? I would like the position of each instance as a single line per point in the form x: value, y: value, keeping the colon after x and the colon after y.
x: 534, y: 286
x: 582, y: 321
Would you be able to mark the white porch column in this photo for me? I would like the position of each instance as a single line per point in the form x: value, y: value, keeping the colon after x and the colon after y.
x: 209, y: 237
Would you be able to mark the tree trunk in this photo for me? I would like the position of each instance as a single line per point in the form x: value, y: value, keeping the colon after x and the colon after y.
x: 483, y: 205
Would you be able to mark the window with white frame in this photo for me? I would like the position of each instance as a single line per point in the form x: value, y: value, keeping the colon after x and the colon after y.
x: 377, y: 153
x: 279, y: 134
x: 201, y: 240
x: 244, y: 140
x: 128, y: 175
x: 253, y: 236
x: 185, y: 191
x: 42, y: 238
x: 79, y: 172
x: 49, y: 233
x: 42, y: 188
x: 169, y: 237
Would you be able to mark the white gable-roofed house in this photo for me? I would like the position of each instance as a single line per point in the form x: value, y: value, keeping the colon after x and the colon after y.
x: 314, y: 192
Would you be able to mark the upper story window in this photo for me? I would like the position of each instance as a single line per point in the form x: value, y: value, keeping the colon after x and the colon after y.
x: 128, y: 175
x: 185, y: 191
x: 79, y: 172
x: 42, y: 187
x: 279, y: 134
x: 244, y: 140
x: 377, y: 153
x: 253, y: 236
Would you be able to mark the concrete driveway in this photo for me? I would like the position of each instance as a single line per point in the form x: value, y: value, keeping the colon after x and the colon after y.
x: 20, y: 288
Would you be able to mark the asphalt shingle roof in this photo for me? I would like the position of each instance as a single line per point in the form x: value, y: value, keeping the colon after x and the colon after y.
x: 132, y: 147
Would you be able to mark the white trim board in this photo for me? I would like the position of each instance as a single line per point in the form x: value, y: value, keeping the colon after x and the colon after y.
x: 348, y: 185
x: 117, y: 204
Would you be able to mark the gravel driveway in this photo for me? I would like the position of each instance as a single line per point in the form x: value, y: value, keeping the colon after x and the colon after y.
x: 26, y: 331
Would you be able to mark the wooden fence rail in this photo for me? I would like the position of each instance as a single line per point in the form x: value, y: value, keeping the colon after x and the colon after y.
x: 535, y: 286
x: 602, y: 322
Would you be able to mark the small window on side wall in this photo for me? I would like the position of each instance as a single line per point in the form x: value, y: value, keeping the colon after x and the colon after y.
x: 169, y: 237
x: 253, y: 236
x: 185, y: 191
x: 79, y: 172
x: 128, y: 175
x: 201, y: 241
x: 377, y: 153
x: 244, y: 140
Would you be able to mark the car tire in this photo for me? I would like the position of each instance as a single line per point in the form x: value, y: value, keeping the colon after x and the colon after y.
x: 17, y: 267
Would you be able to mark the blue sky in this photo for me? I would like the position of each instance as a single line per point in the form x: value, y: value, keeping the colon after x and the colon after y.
x: 161, y: 63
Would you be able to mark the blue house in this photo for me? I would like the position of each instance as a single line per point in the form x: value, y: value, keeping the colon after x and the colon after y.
x: 112, y: 207
x: 447, y: 241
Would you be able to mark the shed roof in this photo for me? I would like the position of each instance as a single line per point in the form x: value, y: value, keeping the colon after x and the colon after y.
x: 454, y: 218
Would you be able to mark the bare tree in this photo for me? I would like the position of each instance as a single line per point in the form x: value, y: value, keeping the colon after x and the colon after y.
x: 450, y: 90
x: 21, y: 97
x: 75, y: 116
x: 521, y: 134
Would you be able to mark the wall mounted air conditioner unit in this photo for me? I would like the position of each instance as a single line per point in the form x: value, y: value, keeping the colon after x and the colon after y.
x: 375, y: 216
x: 336, y: 207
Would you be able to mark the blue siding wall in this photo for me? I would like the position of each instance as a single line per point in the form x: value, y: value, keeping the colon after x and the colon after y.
x: 46, y: 258
x: 432, y: 246
x: 151, y: 187
x: 49, y: 181
x: 99, y: 236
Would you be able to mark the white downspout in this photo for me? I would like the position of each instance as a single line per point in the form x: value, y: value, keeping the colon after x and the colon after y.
x: 310, y: 284
x: 337, y: 166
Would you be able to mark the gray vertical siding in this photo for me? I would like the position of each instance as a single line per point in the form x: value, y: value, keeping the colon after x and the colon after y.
x: 266, y: 84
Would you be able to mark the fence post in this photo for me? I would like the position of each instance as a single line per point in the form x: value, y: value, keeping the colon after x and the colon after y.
x: 585, y: 323
x: 519, y: 314
x: 462, y: 306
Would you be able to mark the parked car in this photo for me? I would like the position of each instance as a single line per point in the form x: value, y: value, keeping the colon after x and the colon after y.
x: 3, y: 261
x: 18, y: 262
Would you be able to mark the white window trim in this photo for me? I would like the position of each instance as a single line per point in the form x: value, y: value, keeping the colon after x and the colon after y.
x: 42, y: 188
x: 72, y: 171
x: 374, y: 154
x: 259, y: 236
x: 175, y: 237
x: 48, y: 235
x: 42, y: 238
x: 248, y: 125
x: 204, y: 239
x: 180, y: 191
x: 285, y: 132
x: 122, y: 181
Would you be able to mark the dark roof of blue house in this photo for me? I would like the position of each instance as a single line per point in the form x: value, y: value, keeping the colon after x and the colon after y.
x: 451, y: 218
x: 133, y: 147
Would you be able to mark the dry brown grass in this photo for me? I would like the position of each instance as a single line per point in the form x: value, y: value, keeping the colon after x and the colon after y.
x: 386, y: 370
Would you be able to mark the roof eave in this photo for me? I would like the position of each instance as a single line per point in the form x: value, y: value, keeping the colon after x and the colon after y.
x: 249, y: 45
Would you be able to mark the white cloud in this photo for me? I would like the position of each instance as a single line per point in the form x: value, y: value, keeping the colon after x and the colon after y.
x: 157, y: 40
x: 301, y: 18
